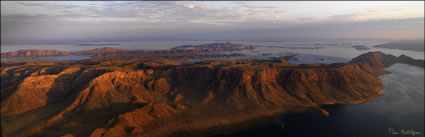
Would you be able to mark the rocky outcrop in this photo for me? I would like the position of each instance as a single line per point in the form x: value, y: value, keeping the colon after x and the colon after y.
x: 161, y: 97
x: 38, y: 90
x: 135, y: 122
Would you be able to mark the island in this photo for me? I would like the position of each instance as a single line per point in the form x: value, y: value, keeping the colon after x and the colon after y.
x: 360, y: 47
x: 184, y: 52
x: 97, y: 44
x: 413, y: 45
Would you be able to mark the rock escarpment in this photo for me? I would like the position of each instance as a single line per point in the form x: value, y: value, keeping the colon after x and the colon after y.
x: 160, y: 97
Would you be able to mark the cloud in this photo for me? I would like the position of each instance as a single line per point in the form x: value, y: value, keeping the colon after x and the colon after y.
x: 135, y: 20
x: 251, y: 5
x: 190, y: 6
x: 378, y: 14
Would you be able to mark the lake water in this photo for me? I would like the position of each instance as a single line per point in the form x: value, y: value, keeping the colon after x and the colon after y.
x: 401, y: 107
x: 330, y: 51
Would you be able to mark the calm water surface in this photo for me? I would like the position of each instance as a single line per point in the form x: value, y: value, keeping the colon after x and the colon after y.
x: 340, y: 49
x: 401, y: 107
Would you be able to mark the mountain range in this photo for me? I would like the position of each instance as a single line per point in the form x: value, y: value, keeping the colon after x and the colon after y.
x: 159, y: 97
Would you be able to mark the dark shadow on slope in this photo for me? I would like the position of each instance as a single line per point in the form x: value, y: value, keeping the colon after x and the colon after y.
x: 84, y: 122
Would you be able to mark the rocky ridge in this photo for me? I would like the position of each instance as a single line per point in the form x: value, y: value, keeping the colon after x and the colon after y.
x: 161, y: 98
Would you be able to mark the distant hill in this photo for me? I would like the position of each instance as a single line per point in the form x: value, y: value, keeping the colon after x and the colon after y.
x: 180, y: 52
x: 360, y: 47
x: 414, y: 45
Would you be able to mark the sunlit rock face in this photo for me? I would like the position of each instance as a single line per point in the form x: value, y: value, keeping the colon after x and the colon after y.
x: 115, y: 98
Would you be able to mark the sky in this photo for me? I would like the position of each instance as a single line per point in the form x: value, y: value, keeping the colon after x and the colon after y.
x: 76, y: 21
